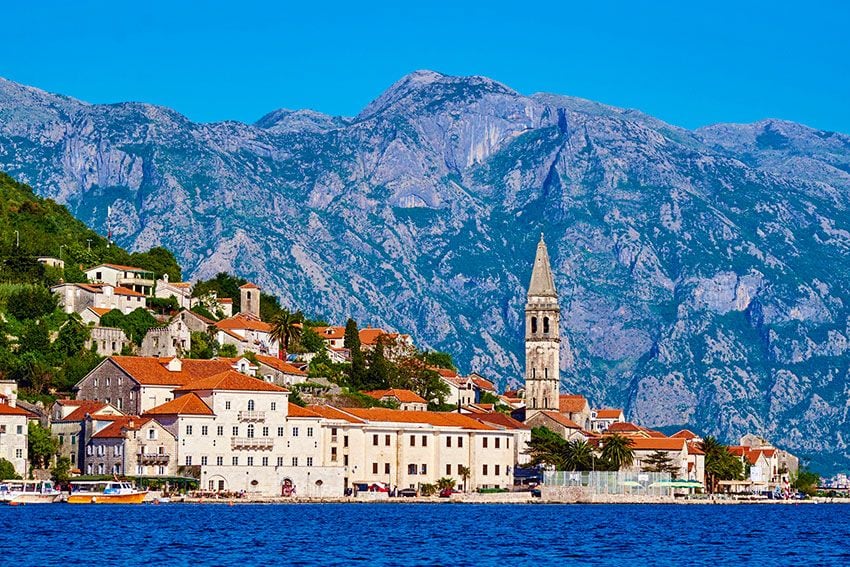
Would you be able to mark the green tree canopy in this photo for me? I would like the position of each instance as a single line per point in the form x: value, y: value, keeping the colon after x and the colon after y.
x: 7, y: 470
x: 42, y: 445
x: 617, y: 451
x: 31, y: 302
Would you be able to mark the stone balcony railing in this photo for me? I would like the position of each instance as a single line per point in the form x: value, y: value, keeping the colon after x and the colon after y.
x: 252, y: 416
x: 153, y: 458
x: 251, y: 443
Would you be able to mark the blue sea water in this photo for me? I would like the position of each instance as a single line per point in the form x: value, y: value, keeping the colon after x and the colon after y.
x: 424, y: 534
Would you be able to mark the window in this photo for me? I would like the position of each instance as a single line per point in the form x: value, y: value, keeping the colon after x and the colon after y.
x: 448, y: 441
x: 546, y: 373
x: 188, y: 430
x: 484, y: 442
x: 508, y: 443
x: 375, y: 440
x: 309, y: 461
x: 265, y: 461
x: 100, y: 468
x: 309, y: 432
x: 120, y: 403
x: 204, y: 460
x: 274, y: 406
x: 484, y: 470
x: 235, y: 461
x: 250, y: 431
x: 19, y: 453
x: 345, y: 460
x: 219, y: 461
x: 294, y: 461
x: 95, y: 383
x: 219, y: 430
x: 265, y: 431
x: 496, y: 442
x: 236, y: 431
x: 423, y: 469
x: 188, y: 460
x: 61, y: 438
x: 226, y: 405
x: 387, y: 440
x: 100, y: 450
x: 345, y: 440
x: 73, y: 439
x: 424, y: 441
x: 205, y: 430
x: 386, y: 468
x: 280, y: 431
x: 496, y: 470
x: 280, y: 461
x: 411, y: 469
x: 460, y: 441
x: 533, y: 325
x: 333, y: 454
x: 250, y: 461
x: 20, y: 430
x: 333, y: 431
x: 448, y: 470
x: 295, y: 432
x: 108, y: 381
x: 89, y: 450
x: 151, y: 433
x: 413, y: 442
x: 250, y: 405
x: 374, y: 468
x: 545, y: 325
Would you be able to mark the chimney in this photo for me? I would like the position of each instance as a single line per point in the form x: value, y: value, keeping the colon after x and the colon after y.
x: 175, y: 365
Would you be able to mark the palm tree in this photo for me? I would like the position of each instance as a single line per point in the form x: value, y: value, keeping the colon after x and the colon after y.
x: 580, y: 456
x: 445, y: 483
x: 617, y: 451
x: 464, y: 473
x: 286, y: 327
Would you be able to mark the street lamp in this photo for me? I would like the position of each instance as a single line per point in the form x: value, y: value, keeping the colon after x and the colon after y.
x: 60, y: 250
x: 17, y: 239
x: 88, y: 240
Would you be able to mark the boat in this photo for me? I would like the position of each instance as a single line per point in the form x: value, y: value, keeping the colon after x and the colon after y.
x: 16, y: 492
x: 105, y: 492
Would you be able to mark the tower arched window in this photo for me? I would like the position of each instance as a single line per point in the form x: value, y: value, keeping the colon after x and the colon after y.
x: 534, y: 325
x: 248, y: 295
x: 250, y: 405
x: 251, y: 430
x: 546, y: 373
x: 545, y: 325
x: 533, y: 373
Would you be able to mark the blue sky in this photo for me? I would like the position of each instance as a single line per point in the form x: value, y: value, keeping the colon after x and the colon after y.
x: 690, y: 65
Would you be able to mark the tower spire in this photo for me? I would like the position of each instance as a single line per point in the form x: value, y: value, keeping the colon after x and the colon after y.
x: 542, y: 283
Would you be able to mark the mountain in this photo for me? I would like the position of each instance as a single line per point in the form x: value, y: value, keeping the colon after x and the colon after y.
x: 703, y: 273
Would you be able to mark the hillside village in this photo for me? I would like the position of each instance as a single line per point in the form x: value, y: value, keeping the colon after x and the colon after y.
x: 290, y: 406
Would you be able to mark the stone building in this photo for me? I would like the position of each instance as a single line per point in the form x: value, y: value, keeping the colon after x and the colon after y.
x: 67, y: 419
x: 136, y: 279
x: 542, y: 337
x: 173, y: 339
x: 181, y: 291
x: 108, y: 341
x: 250, y: 300
x: 14, y: 428
x: 132, y: 445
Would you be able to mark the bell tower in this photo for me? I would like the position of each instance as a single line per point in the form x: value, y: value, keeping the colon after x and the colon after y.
x: 542, y: 337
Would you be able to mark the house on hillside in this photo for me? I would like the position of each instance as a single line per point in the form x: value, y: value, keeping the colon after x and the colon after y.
x: 181, y: 291
x: 136, y: 279
x: 14, y: 428
x: 575, y: 408
x: 172, y: 339
x: 406, y: 400
x: 557, y: 422
x: 77, y: 298
x: 602, y: 419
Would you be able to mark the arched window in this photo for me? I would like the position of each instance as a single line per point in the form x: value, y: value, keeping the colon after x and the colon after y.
x: 248, y: 295
x: 250, y: 430
x: 533, y: 403
x: 533, y: 373
x: 545, y: 325
x: 545, y: 373
x: 250, y: 405
x: 534, y: 325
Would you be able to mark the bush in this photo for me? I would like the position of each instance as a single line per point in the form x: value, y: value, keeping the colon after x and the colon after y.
x: 7, y: 470
x: 31, y: 302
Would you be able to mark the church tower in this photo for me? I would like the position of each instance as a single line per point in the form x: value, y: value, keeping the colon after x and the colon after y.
x: 542, y: 337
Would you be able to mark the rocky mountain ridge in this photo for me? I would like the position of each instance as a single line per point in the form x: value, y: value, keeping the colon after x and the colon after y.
x: 702, y: 273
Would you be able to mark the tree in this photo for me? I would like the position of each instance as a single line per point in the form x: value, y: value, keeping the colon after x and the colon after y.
x: 61, y: 471
x: 286, y: 327
x: 617, y: 451
x: 439, y: 359
x: 547, y: 448
x: 34, y: 371
x: 41, y: 445
x: 580, y: 456
x: 446, y: 483
x: 311, y: 341
x: 357, y: 370
x: 201, y: 345
x: 31, y: 302
x: 34, y: 338
x: 228, y: 351
x: 71, y: 339
x: 464, y: 473
x: 806, y: 481
x: 659, y: 461
x: 7, y: 470
x: 378, y: 372
x: 720, y: 464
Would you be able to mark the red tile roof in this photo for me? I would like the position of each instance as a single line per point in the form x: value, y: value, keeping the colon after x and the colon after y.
x: 243, y: 322
x: 248, y: 285
x: 280, y: 365
x: 297, y: 411
x: 230, y: 380
x: 484, y: 384
x: 6, y: 409
x: 187, y: 404
x: 370, y: 336
x: 500, y: 420
x: 330, y: 412
x: 693, y: 448
x: 561, y: 419
x: 330, y: 332
x: 127, y: 291
x: 657, y: 444
x: 83, y: 407
x: 445, y: 419
x: 117, y: 427
x: 99, y: 311
x: 685, y: 434
x: 571, y: 403
x: 609, y: 413
x: 152, y: 371
x: 402, y: 395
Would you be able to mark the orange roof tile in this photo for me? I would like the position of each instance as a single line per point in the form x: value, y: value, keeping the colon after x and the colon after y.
x: 280, y: 365
x: 445, y: 372
x: 120, y: 267
x: 500, y: 420
x: 126, y: 291
x: 248, y: 285
x: 117, y: 427
x: 685, y: 434
x: 572, y: 403
x: 152, y: 371
x: 99, y: 311
x: 445, y: 419
x: 329, y: 332
x: 6, y: 409
x: 737, y: 450
x: 369, y: 336
x: 242, y: 321
x: 188, y: 404
x: 657, y: 444
x: 230, y: 380
x: 561, y: 419
x: 402, y: 395
x: 625, y: 427
x: 83, y: 407
x: 297, y: 411
x: 330, y: 412
x: 693, y: 449
x: 609, y: 414
x: 224, y: 300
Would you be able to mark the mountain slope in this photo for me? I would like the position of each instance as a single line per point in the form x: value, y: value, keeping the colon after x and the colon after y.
x: 700, y: 270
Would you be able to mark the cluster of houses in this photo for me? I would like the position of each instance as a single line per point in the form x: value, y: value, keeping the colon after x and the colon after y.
x: 228, y: 421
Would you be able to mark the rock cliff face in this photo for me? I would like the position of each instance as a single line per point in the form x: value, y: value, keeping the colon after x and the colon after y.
x: 703, y: 274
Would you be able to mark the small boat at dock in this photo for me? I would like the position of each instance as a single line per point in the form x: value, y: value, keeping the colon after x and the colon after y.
x: 105, y: 492
x: 15, y: 492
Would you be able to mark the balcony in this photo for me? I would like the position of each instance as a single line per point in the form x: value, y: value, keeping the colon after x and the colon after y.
x: 261, y: 443
x: 252, y: 416
x: 152, y: 458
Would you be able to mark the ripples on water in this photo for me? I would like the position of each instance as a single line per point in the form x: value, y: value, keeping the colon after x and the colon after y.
x: 424, y: 534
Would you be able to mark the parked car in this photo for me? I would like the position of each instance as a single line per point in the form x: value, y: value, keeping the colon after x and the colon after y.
x: 447, y: 492
x: 407, y: 492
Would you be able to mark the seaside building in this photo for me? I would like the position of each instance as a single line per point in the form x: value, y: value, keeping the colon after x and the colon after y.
x: 131, y: 445
x: 14, y: 428
x: 67, y: 421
